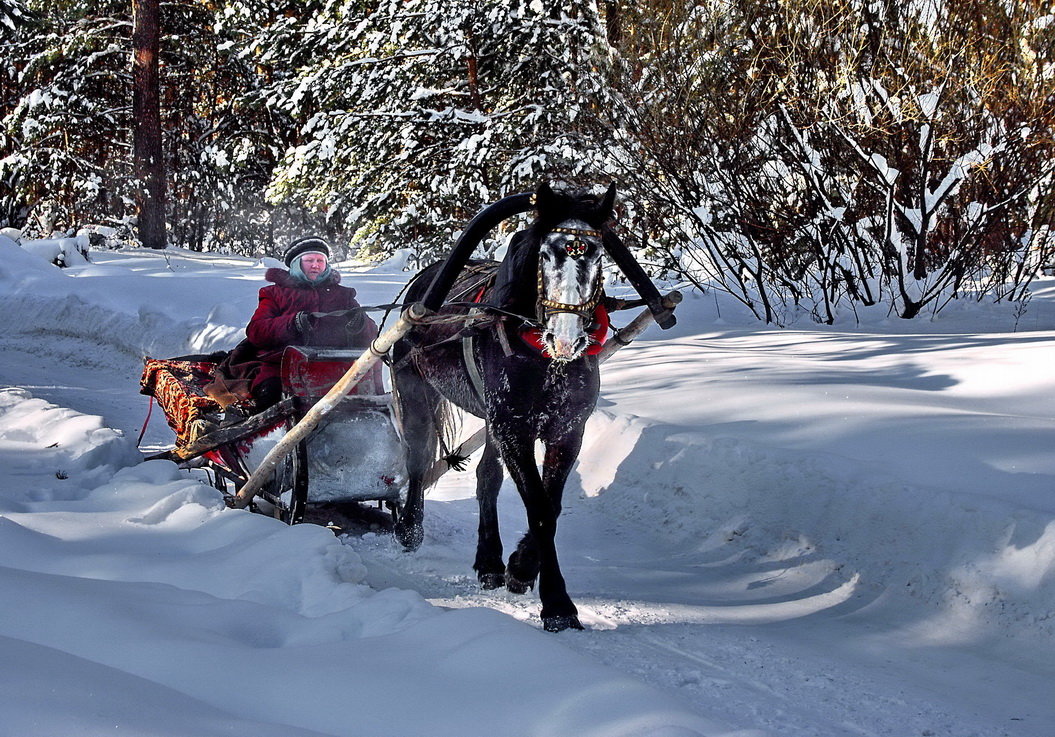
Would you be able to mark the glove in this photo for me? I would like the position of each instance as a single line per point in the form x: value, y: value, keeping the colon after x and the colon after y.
x: 350, y: 320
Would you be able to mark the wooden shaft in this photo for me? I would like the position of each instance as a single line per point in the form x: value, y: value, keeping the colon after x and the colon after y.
x: 381, y: 345
x: 474, y: 232
x: 637, y: 326
x: 621, y: 339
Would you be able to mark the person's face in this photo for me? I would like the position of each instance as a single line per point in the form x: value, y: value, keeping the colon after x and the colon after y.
x: 312, y: 264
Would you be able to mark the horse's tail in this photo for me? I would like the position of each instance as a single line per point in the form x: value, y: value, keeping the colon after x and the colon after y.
x: 444, y: 424
x: 448, y: 423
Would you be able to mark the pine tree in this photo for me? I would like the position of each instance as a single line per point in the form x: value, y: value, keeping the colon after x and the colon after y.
x: 15, y: 48
x: 242, y: 135
x: 418, y: 112
x: 66, y: 119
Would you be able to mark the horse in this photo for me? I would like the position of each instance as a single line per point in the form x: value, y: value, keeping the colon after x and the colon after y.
x: 540, y: 386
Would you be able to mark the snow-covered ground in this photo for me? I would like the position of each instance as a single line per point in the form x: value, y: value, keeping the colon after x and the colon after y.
x: 817, y: 531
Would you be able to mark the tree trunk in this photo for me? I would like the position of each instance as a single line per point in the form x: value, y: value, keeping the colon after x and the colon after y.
x: 613, y: 23
x: 148, y: 162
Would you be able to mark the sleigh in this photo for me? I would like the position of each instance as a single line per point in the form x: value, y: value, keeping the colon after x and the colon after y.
x: 353, y: 455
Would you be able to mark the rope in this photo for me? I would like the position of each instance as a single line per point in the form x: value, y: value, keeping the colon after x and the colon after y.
x: 377, y: 308
x: 613, y: 304
x: 481, y: 314
x: 150, y: 410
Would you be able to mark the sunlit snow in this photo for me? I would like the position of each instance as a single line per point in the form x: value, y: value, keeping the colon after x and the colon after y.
x: 816, y: 531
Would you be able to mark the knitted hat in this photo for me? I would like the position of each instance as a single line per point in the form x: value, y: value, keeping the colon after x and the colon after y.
x: 303, y: 245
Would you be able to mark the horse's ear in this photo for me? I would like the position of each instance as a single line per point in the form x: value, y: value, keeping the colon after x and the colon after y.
x: 607, y: 206
x: 545, y: 198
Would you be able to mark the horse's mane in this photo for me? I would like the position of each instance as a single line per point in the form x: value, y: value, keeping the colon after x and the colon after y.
x: 579, y: 205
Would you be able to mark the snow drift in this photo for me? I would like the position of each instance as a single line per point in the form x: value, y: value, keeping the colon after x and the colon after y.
x: 752, y: 509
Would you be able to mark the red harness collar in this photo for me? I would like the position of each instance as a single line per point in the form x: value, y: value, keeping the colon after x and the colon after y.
x: 533, y: 336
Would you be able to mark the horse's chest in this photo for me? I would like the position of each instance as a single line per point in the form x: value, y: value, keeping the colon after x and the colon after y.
x: 554, y: 399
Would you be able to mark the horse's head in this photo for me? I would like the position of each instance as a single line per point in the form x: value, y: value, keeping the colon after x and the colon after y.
x: 569, y: 268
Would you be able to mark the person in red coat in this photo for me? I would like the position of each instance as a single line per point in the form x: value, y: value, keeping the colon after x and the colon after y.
x: 306, y: 305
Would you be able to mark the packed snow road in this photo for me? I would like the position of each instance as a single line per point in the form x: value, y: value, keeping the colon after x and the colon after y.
x: 748, y: 532
x: 760, y: 633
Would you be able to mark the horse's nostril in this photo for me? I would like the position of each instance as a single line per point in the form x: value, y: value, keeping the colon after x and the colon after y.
x: 549, y: 343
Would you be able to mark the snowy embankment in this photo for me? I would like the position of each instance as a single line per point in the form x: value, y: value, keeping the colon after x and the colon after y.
x: 868, y: 490
x: 139, y: 606
x: 920, y: 465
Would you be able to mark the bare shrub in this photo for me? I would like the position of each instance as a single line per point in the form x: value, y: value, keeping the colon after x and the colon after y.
x: 824, y: 154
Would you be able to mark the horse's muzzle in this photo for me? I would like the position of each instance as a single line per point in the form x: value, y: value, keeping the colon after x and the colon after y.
x: 562, y: 349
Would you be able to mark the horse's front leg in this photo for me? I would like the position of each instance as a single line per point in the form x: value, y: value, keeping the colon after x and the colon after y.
x: 490, y: 569
x: 524, y: 562
x: 559, y: 459
x: 558, y: 610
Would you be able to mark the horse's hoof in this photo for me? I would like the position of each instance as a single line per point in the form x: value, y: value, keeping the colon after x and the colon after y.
x: 516, y: 586
x: 490, y: 581
x: 561, y: 623
x: 409, y: 536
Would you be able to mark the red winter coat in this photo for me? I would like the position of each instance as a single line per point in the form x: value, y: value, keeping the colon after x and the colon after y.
x: 272, y: 326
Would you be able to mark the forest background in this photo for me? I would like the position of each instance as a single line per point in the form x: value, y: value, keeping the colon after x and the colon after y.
x: 807, y: 157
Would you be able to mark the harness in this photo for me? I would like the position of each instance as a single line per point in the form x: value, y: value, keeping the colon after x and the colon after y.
x: 576, y: 249
x: 592, y: 309
x: 533, y: 336
x: 578, y: 246
x: 547, y: 307
x: 480, y: 277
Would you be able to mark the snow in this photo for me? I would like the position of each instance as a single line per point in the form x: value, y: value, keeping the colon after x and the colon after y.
x: 816, y: 531
x: 887, y: 172
x: 928, y: 103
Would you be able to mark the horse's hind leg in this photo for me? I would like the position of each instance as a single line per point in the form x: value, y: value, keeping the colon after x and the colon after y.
x: 417, y: 404
x: 489, y: 567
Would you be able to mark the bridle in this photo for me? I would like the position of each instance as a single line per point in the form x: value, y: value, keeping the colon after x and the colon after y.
x: 577, y: 248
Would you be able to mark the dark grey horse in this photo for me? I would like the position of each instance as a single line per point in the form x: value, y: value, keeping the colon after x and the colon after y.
x: 537, y: 387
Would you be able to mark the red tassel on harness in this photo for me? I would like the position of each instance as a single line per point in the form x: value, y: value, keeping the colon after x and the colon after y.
x: 533, y: 336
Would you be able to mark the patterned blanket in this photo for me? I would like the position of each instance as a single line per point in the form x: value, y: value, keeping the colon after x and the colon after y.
x: 178, y: 386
